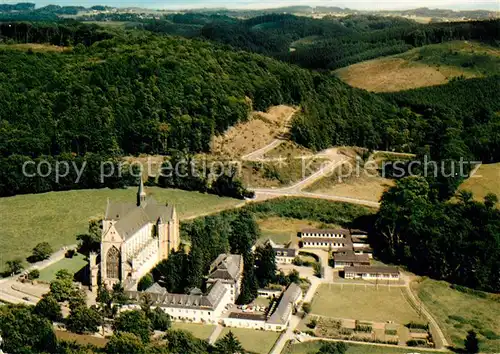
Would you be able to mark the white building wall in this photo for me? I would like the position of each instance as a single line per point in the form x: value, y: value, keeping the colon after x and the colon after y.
x: 284, y: 260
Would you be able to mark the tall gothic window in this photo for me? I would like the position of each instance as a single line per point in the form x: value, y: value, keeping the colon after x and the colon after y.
x: 113, y: 263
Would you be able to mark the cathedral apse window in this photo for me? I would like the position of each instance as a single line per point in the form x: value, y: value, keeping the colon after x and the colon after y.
x: 113, y: 263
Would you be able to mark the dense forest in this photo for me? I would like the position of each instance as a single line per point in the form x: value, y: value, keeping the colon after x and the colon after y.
x: 326, y: 43
x: 458, y: 242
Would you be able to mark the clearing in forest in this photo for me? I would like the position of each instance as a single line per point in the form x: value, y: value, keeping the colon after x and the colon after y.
x: 354, y: 180
x: 484, y: 181
x: 429, y: 65
x: 260, y: 129
x: 36, y: 47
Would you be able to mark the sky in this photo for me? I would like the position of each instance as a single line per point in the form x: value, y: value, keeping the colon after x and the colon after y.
x: 256, y: 4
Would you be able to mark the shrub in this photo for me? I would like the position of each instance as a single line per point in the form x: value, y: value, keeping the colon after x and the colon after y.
x: 363, y: 328
x: 34, y: 274
x: 457, y: 318
x: 417, y: 325
x: 70, y: 253
x: 469, y: 291
x: 145, y: 282
x: 346, y: 331
x: 41, y: 252
x: 306, y: 306
x: 416, y: 342
x: 312, y: 324
x: 489, y: 334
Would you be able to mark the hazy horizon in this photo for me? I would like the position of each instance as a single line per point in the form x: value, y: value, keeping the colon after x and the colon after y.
x: 492, y: 5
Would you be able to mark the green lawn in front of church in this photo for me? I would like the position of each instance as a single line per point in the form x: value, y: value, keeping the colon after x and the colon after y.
x: 73, y: 265
x: 58, y: 217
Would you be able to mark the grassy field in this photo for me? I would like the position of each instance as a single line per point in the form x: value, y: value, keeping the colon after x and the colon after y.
x: 484, y: 181
x: 72, y: 264
x: 430, y: 65
x: 57, y: 217
x: 82, y: 339
x: 351, y: 181
x: 201, y: 331
x: 363, y: 303
x: 313, y: 347
x: 284, y: 230
x: 253, y: 340
x: 458, y: 312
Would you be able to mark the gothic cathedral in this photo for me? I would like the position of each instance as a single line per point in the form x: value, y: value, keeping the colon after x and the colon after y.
x: 135, y: 237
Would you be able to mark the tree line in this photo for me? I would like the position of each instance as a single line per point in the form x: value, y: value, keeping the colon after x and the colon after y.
x: 455, y: 241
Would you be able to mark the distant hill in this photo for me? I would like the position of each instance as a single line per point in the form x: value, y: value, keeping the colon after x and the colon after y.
x: 430, y: 65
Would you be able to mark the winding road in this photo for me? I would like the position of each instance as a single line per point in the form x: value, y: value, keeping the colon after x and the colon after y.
x: 297, y: 190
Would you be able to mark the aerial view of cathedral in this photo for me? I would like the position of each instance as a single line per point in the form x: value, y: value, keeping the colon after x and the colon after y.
x: 135, y: 237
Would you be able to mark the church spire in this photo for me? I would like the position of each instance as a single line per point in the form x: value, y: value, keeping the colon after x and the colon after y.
x: 141, y: 194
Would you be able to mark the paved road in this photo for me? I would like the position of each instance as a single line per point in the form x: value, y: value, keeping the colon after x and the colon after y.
x: 264, y: 194
x: 296, y: 190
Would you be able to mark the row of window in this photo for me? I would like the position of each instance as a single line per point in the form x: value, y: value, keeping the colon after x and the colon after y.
x: 322, y: 235
x: 333, y: 244
x: 370, y: 275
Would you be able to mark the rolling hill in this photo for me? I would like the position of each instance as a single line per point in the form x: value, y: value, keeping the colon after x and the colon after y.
x: 429, y: 65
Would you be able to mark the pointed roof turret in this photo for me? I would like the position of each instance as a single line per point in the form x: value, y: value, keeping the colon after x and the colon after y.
x: 141, y: 194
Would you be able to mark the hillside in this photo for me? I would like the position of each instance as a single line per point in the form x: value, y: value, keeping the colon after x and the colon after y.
x: 149, y: 94
x: 429, y: 65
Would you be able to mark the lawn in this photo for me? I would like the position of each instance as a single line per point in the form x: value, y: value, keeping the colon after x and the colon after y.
x: 254, y: 340
x: 313, y: 347
x: 57, y: 217
x: 484, y: 181
x: 350, y: 180
x: 363, y: 303
x: 458, y: 312
x: 72, y: 264
x: 201, y: 331
x: 82, y: 339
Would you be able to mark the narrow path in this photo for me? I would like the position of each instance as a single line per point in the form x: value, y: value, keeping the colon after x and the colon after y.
x: 294, y: 322
x: 215, y: 334
x: 258, y: 155
x: 419, y: 304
